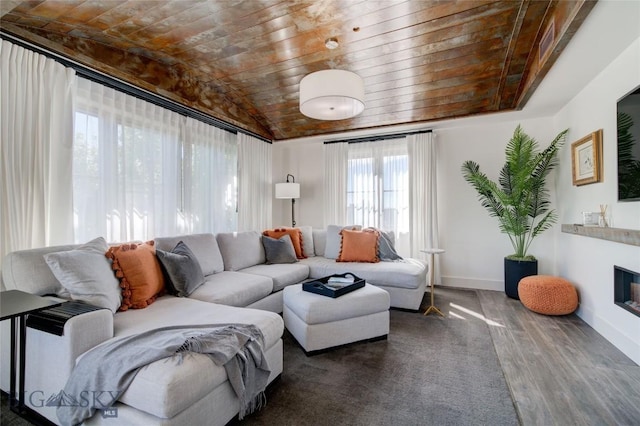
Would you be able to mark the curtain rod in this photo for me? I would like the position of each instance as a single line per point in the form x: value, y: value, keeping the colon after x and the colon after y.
x: 114, y: 83
x: 375, y: 138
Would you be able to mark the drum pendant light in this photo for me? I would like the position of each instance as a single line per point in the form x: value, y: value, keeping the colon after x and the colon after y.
x: 331, y: 95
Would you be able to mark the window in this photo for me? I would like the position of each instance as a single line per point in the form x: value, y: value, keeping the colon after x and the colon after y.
x: 378, y: 188
x: 142, y: 171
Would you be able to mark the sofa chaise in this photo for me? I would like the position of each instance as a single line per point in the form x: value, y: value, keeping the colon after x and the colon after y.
x: 239, y: 287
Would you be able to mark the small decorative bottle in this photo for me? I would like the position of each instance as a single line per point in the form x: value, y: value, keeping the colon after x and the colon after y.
x: 602, y: 220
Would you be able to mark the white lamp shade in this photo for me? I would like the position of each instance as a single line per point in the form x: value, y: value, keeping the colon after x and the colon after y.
x: 287, y: 190
x: 331, y: 95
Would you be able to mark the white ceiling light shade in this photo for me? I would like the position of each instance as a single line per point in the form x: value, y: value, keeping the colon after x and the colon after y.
x: 331, y: 95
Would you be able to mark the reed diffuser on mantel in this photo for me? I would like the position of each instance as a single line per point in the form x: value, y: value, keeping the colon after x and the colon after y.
x: 603, y: 216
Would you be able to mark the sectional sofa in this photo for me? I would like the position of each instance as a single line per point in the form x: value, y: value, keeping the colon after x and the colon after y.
x: 239, y: 287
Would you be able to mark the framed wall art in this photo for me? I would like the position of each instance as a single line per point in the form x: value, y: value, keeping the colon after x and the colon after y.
x: 586, y: 159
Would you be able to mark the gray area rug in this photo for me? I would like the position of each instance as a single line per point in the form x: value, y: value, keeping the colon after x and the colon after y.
x: 431, y: 370
x: 8, y: 418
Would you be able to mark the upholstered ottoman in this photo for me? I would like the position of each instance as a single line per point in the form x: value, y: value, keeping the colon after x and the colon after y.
x: 548, y: 295
x: 320, y: 322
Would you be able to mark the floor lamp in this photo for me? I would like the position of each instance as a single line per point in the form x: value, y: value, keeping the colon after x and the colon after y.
x: 289, y: 190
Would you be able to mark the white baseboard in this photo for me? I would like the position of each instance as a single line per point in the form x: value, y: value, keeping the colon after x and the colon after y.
x: 473, y: 283
x: 626, y: 344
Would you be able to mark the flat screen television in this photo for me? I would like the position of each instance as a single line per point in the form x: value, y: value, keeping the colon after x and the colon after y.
x: 628, y: 122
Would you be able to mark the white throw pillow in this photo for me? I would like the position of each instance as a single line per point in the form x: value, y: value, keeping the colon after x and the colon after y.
x: 307, y: 240
x: 86, y: 273
x: 334, y: 240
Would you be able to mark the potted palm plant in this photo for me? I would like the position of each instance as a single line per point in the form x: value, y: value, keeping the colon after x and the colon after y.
x: 520, y: 200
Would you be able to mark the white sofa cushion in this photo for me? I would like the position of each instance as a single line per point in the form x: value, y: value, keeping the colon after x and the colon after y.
x: 164, y: 388
x: 407, y: 273
x: 171, y: 310
x: 241, y: 249
x: 282, y: 274
x: 216, y: 408
x: 204, y: 247
x: 233, y: 288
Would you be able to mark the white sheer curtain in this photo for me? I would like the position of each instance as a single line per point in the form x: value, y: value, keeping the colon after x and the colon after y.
x: 127, y: 166
x: 36, y: 151
x: 335, y: 183
x: 378, y: 188
x: 254, y: 182
x: 423, y: 193
x: 142, y: 171
x: 210, y: 183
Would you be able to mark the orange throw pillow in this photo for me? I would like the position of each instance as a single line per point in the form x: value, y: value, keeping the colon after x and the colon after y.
x: 296, y: 238
x: 139, y: 272
x: 359, y: 246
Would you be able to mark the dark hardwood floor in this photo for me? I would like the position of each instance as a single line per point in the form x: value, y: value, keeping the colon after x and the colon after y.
x: 559, y: 370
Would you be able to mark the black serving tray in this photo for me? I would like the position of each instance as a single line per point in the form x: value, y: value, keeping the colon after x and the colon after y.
x: 320, y: 286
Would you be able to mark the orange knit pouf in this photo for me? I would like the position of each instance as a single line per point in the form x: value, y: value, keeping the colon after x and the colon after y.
x: 548, y: 295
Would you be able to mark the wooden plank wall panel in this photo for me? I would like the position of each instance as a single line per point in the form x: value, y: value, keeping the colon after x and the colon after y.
x: 242, y: 60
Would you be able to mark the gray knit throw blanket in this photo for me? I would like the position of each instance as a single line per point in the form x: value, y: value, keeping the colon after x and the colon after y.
x: 111, y: 367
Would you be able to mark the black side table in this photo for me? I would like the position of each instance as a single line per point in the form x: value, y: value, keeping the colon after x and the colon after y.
x: 16, y: 305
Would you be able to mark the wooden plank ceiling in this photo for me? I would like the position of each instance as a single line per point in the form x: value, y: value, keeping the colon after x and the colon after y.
x: 242, y: 60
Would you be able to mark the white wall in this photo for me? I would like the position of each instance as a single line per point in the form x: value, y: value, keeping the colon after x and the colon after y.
x: 588, y: 262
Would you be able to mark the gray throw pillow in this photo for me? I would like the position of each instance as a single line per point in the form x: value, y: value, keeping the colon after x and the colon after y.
x: 279, y: 250
x: 87, y: 275
x: 183, y: 272
x: 386, y: 250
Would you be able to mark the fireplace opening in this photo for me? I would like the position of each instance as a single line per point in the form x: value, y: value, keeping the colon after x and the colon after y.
x: 626, y: 289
